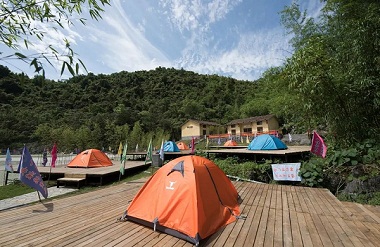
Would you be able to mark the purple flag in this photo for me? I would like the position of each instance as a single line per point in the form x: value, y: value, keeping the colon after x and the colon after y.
x: 8, y: 162
x: 29, y: 174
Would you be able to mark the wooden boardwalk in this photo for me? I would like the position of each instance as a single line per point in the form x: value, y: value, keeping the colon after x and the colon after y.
x: 276, y: 216
x: 291, y: 154
x: 95, y: 175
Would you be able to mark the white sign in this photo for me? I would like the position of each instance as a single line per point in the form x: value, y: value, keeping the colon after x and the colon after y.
x: 286, y: 172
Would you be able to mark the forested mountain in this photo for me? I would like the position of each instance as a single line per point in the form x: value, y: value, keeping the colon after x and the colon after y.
x: 101, y: 110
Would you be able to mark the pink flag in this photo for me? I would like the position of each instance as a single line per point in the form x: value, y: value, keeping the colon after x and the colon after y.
x: 192, y: 145
x: 53, y: 155
x: 318, y: 146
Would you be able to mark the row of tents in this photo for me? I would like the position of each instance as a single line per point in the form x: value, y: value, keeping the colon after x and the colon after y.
x: 261, y: 142
x: 96, y: 158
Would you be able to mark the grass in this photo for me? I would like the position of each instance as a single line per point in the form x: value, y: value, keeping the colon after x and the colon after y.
x: 12, y: 190
x: 17, y: 188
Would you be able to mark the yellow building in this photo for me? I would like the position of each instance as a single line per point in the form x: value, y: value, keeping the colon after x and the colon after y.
x: 197, y: 129
x: 253, y: 125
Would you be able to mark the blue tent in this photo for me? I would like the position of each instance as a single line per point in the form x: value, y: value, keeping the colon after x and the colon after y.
x: 266, y: 142
x: 170, y: 146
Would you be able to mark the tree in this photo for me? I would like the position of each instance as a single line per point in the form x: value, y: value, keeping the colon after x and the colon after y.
x: 136, y: 135
x: 18, y: 25
x: 334, y: 70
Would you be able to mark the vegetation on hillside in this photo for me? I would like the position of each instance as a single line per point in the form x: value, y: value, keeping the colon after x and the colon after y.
x: 99, y: 111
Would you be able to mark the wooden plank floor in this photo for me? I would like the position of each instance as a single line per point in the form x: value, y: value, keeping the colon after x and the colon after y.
x: 100, y: 171
x: 276, y: 215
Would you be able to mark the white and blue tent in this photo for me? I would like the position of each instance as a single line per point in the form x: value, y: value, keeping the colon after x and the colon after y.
x: 266, y: 142
x: 171, y: 146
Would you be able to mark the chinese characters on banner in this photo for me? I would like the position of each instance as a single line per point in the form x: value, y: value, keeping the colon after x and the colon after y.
x: 286, y: 172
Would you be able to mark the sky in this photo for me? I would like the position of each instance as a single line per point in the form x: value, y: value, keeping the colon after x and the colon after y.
x: 235, y: 38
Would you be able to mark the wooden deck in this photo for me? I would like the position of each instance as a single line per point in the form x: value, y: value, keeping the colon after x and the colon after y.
x: 93, y: 175
x: 292, y: 153
x: 276, y: 216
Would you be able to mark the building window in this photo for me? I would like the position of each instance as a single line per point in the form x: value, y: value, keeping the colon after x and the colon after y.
x: 233, y: 132
x: 259, y: 129
x: 189, y: 127
x: 204, y: 126
x: 259, y: 122
x: 247, y: 130
x: 204, y: 132
x: 233, y: 126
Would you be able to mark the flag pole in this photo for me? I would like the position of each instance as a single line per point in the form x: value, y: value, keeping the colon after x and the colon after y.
x: 39, y: 197
x: 49, y: 174
x: 123, y: 170
x: 5, y: 177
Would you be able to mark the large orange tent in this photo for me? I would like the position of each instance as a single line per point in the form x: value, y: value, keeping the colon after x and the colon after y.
x: 189, y: 197
x: 90, y: 158
x: 182, y: 146
x: 230, y: 143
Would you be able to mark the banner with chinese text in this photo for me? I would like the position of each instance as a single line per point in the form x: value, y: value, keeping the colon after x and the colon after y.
x: 286, y: 172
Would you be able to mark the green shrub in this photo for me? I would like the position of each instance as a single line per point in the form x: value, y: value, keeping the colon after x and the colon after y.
x: 312, y: 172
x: 246, y: 169
x: 365, y: 198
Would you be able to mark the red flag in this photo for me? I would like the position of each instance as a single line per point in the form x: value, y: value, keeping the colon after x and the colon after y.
x: 318, y: 146
x: 53, y: 155
x: 192, y: 145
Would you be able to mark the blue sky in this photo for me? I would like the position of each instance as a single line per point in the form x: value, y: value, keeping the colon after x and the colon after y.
x: 236, y: 38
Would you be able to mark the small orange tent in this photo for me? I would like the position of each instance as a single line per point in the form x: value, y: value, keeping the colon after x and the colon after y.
x: 182, y: 146
x: 230, y: 143
x: 90, y: 158
x: 189, y: 197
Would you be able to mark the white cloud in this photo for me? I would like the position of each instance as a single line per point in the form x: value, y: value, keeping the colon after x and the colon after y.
x: 123, y: 45
x: 251, y: 56
x: 190, y: 15
x: 206, y: 36
x: 217, y: 9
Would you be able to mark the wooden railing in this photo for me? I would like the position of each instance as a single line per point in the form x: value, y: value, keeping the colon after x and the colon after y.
x: 244, y: 134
